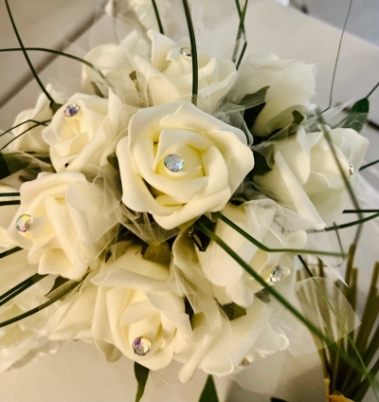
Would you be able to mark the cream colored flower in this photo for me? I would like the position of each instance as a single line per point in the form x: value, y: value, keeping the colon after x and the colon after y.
x: 33, y: 140
x: 217, y: 273
x: 291, y: 85
x: 25, y: 339
x: 87, y: 136
x: 65, y: 223
x: 221, y: 347
x: 138, y: 310
x: 169, y: 74
x: 305, y: 177
x: 178, y: 163
x: 117, y: 66
x: 6, y: 216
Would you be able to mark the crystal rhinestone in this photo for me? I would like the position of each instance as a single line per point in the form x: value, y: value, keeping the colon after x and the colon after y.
x: 277, y: 274
x: 186, y: 51
x: 141, y: 346
x: 351, y: 169
x: 23, y: 223
x: 71, y: 110
x: 174, y: 163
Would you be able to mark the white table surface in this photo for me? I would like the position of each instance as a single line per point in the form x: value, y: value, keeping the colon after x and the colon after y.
x: 77, y: 373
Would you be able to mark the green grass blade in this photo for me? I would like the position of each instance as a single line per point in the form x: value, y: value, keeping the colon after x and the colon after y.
x: 9, y: 194
x: 9, y: 252
x: 353, y: 223
x: 42, y: 123
x: 57, y: 52
x: 261, y: 246
x: 195, y: 71
x: 337, y: 59
x: 373, y: 90
x: 18, y: 125
x: 12, y: 202
x: 157, y: 16
x: 281, y: 299
x: 67, y: 288
x: 21, y: 287
x: 54, y: 105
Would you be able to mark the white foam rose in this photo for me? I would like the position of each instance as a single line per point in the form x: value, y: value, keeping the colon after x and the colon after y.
x: 137, y: 299
x: 33, y: 140
x: 214, y: 154
x: 305, y: 177
x: 264, y: 220
x: 222, y: 347
x: 116, y: 63
x: 70, y: 223
x: 291, y: 85
x: 169, y: 74
x: 6, y: 216
x: 25, y: 339
x: 88, y: 137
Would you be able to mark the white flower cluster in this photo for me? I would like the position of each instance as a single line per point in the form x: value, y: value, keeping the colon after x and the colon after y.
x: 134, y: 165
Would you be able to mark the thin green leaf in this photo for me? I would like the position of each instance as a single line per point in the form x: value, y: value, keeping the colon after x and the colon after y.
x: 281, y: 299
x: 373, y: 90
x: 244, y: 47
x: 57, y: 296
x: 362, y: 389
x: 195, y: 72
x: 350, y: 224
x: 337, y: 58
x: 304, y: 264
x: 41, y: 123
x: 240, y: 33
x: 156, y: 11
x: 12, y: 202
x: 209, y: 393
x: 18, y: 125
x: 9, y: 252
x: 52, y: 102
x: 142, y: 374
x: 362, y: 211
x: 363, y: 167
x: 19, y: 288
x: 348, y: 186
x: 57, y: 52
x: 9, y: 194
x: 269, y: 249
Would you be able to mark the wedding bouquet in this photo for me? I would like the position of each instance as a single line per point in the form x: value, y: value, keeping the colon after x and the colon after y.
x: 162, y: 211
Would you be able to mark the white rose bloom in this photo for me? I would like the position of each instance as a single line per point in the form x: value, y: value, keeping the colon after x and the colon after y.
x: 305, y: 176
x: 116, y: 63
x: 88, y: 136
x: 206, y: 160
x: 264, y: 220
x: 137, y: 300
x: 291, y: 85
x: 222, y: 347
x: 169, y: 74
x: 25, y: 339
x: 67, y: 223
x: 32, y: 140
x: 6, y: 216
